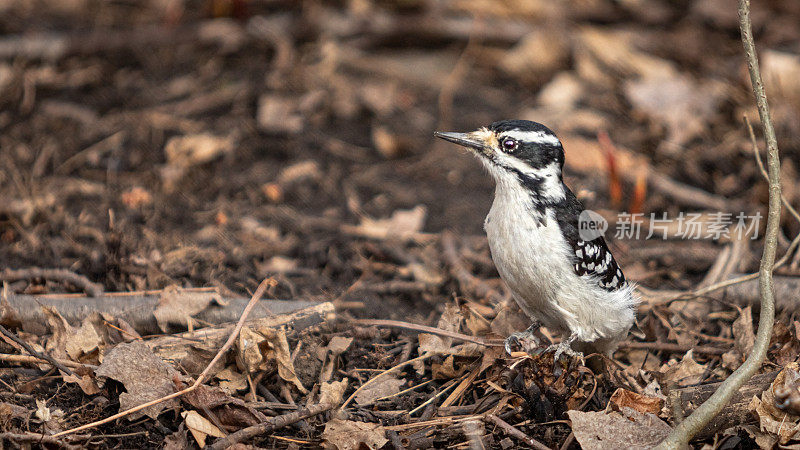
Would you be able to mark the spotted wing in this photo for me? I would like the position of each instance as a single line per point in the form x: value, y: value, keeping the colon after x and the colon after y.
x: 594, y: 259
x: 590, y: 258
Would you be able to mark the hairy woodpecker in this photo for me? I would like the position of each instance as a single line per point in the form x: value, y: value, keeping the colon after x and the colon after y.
x: 559, y: 279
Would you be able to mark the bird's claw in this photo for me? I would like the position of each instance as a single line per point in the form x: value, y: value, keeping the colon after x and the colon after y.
x: 525, y: 341
x: 565, y: 348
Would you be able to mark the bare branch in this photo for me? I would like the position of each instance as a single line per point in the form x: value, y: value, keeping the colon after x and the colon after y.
x: 685, y: 430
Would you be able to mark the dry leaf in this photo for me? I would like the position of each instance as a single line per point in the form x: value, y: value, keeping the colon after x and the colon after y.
x: 623, y: 398
x: 90, y: 337
x: 685, y: 373
x: 85, y: 382
x: 563, y: 92
x: 446, y: 370
x: 176, y: 306
x: 231, y: 381
x: 337, y: 346
x: 200, y: 427
x: 349, y: 435
x: 177, y: 440
x: 280, y: 352
x: 145, y: 376
x: 383, y: 387
x: 332, y: 392
x: 402, y: 224
x: 388, y: 144
x: 475, y: 322
x: 628, y: 429
x: 249, y: 355
x: 449, y: 321
x: 775, y: 421
x: 50, y: 418
x: 509, y: 320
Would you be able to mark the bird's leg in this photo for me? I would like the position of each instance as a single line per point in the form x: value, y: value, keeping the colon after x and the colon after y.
x: 565, y: 347
x: 525, y: 341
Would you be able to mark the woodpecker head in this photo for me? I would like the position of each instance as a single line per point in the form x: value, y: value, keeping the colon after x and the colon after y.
x: 518, y: 153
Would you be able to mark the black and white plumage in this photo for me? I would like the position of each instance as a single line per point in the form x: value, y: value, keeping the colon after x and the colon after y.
x: 569, y: 284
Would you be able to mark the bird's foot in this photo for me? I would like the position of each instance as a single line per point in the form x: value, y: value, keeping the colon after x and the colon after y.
x: 565, y: 348
x: 523, y: 341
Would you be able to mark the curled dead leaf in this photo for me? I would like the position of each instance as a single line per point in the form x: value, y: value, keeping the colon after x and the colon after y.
x: 200, y: 427
x: 623, y: 398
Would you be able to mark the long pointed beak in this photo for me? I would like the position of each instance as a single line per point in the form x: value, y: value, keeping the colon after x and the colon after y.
x: 462, y: 139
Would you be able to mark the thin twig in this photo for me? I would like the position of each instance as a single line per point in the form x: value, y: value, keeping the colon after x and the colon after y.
x: 684, y: 431
x: 26, y: 359
x: 200, y: 379
x: 427, y: 329
x: 50, y: 360
x: 269, y: 426
x: 64, y: 275
x: 763, y: 170
x: 514, y: 432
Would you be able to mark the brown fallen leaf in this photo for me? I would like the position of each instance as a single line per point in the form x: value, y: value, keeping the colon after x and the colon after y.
x: 772, y: 420
x: 350, y: 435
x: 200, y: 427
x: 145, y: 376
x: 402, y: 224
x: 176, y: 306
x: 229, y: 410
x: 629, y: 429
x: 450, y: 321
x: 332, y: 392
x: 336, y: 346
x: 383, y: 387
x: 231, y: 381
x: 623, y: 398
x: 687, y: 372
x: 256, y: 348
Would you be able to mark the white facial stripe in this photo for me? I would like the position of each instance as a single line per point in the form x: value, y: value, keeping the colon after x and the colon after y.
x: 552, y: 188
x: 536, y: 137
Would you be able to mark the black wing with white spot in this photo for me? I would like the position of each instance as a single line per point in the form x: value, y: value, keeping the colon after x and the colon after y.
x: 590, y: 258
x: 593, y: 258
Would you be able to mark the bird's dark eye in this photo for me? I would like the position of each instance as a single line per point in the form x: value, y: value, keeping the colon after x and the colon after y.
x: 509, y: 144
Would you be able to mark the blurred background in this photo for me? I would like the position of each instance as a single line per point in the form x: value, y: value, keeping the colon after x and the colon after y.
x: 149, y: 143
